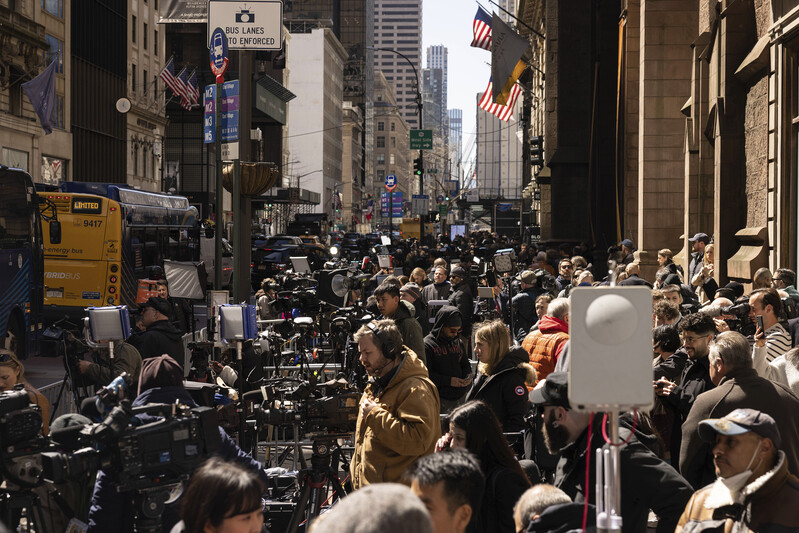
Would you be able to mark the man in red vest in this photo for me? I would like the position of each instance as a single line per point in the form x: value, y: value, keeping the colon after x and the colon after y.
x: 546, y: 344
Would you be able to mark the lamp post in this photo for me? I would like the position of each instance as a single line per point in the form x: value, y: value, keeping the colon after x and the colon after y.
x: 419, y: 112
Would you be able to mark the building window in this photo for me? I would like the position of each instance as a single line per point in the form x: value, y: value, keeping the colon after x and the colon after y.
x: 381, y: 142
x: 393, y: 126
x: 381, y: 159
x: 133, y: 77
x: 53, y: 170
x: 381, y: 126
x: 133, y: 29
x: 144, y: 77
x: 144, y: 36
x: 58, y: 112
x: 155, y: 42
x: 15, y: 158
x: 55, y: 52
x: 393, y: 142
x: 135, y: 159
x: 15, y: 99
x: 54, y: 7
x: 391, y: 159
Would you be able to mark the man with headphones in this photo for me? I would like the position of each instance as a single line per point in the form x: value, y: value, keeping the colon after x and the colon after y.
x: 398, y: 420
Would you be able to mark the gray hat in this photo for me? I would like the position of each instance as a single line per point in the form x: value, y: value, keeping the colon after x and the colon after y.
x: 700, y: 237
x: 527, y: 276
x: 738, y: 422
x: 458, y: 271
x: 412, y: 289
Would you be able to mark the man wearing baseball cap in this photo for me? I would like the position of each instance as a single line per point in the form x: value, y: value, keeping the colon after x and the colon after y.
x: 754, y: 490
x: 160, y: 337
x: 627, y: 251
x: 698, y: 244
x: 523, y: 303
x: 647, y: 482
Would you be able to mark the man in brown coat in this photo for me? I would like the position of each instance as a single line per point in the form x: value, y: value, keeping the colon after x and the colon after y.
x: 755, y: 490
x: 737, y: 386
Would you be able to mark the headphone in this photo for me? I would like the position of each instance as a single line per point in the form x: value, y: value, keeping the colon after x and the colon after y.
x: 389, y: 349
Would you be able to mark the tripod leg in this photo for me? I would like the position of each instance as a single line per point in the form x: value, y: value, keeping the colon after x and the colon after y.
x: 299, y: 510
x: 57, y: 402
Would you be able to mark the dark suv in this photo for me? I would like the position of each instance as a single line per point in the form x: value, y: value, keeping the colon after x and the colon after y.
x: 269, y: 261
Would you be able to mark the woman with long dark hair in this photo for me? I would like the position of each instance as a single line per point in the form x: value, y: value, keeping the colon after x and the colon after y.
x: 474, y: 427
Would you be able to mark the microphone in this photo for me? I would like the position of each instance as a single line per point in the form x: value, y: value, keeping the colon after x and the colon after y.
x: 377, y: 371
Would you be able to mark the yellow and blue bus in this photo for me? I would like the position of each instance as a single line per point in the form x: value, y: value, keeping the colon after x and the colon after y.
x: 113, y: 238
x: 21, y: 263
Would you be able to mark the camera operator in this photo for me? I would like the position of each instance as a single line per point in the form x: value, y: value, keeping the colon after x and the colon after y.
x: 104, y: 369
x: 160, y: 337
x: 398, y: 420
x: 161, y: 381
x: 266, y: 300
x: 179, y: 310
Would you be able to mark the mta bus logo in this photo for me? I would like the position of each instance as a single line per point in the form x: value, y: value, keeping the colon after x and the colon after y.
x: 83, y: 205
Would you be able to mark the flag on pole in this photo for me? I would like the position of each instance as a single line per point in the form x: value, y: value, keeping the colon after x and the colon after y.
x: 168, y: 77
x: 41, y: 92
x: 503, y: 112
x: 194, y: 89
x: 482, y: 30
x: 507, y: 48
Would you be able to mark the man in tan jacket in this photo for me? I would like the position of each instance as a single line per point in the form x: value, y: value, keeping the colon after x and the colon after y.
x: 398, y: 420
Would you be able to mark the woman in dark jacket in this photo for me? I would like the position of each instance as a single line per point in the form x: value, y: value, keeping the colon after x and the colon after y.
x: 474, y: 426
x: 502, y: 375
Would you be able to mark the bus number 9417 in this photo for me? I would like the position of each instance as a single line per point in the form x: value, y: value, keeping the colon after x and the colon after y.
x: 92, y: 223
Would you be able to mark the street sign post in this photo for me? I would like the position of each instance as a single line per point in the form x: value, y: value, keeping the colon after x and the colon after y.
x: 391, y: 182
x: 218, y: 54
x: 229, y: 111
x: 421, y: 139
x: 254, y: 25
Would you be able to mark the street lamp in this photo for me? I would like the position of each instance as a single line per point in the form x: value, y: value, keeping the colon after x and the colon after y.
x: 419, y: 112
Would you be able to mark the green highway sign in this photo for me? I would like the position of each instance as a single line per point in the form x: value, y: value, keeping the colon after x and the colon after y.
x: 421, y: 139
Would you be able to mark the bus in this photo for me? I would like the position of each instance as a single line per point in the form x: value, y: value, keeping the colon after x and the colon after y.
x: 114, y: 241
x: 21, y: 262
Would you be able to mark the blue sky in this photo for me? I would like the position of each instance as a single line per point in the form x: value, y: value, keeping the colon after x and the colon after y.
x: 449, y: 22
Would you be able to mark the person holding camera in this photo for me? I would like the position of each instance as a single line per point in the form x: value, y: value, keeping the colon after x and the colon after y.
x: 771, y: 339
x: 102, y: 370
x: 398, y: 419
x: 161, y: 381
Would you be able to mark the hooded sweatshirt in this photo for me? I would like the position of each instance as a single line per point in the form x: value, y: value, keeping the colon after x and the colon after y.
x: 446, y: 358
x: 160, y: 338
x: 410, y: 329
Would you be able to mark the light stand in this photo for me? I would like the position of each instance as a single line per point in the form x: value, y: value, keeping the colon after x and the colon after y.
x: 109, y: 324
x: 237, y: 324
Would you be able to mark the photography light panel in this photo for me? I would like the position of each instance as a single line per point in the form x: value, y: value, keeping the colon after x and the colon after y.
x: 109, y: 323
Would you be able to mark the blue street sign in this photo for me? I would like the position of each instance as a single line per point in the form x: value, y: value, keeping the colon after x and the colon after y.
x: 391, y: 182
x: 218, y: 48
x: 440, y: 199
x: 229, y: 112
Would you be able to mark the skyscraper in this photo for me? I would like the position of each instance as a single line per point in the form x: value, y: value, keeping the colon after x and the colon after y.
x: 437, y: 58
x: 398, y: 28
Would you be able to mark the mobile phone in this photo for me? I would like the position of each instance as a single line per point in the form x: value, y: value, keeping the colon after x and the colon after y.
x: 760, y: 323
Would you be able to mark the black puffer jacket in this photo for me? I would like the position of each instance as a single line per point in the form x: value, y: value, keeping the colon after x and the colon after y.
x: 160, y: 338
x: 446, y: 358
x: 505, y: 391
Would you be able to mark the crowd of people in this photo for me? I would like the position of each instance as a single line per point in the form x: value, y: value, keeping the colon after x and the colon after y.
x: 465, y: 423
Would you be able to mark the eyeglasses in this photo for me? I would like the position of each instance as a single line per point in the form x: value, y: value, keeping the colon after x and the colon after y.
x: 691, y: 340
x: 5, y: 357
x: 566, y: 267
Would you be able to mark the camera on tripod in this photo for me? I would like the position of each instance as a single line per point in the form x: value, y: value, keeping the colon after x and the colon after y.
x: 325, y: 410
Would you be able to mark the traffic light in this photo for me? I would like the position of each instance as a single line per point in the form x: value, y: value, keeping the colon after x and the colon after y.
x: 418, y: 166
x: 537, y: 150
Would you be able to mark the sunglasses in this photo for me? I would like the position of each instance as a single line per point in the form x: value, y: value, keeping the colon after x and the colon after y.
x: 6, y: 357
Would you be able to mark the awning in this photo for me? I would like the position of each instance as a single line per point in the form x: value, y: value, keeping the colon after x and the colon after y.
x: 270, y: 98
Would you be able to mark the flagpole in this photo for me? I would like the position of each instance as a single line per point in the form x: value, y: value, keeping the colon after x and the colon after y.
x: 516, y: 19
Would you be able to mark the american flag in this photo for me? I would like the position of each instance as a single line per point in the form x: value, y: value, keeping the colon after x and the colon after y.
x: 503, y: 112
x: 168, y: 76
x: 482, y: 30
x: 185, y: 94
x: 194, y: 89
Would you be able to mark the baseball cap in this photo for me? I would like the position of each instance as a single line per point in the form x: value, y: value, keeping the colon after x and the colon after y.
x: 738, y: 422
x: 527, y: 276
x: 554, y: 390
x: 157, y: 303
x: 627, y: 242
x: 700, y: 237
x: 458, y: 271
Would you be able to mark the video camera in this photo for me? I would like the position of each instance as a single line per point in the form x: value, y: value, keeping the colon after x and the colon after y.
x: 737, y: 318
x: 20, y: 442
x: 321, y: 411
x: 133, y: 454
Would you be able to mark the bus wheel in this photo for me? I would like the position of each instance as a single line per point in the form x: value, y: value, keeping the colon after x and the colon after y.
x: 15, y: 337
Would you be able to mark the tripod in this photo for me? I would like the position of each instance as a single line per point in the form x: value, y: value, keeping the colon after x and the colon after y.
x: 313, y: 482
x: 150, y: 503
x: 13, y: 502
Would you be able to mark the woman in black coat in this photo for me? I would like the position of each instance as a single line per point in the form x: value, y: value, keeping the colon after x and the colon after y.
x: 474, y: 427
x: 502, y: 376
